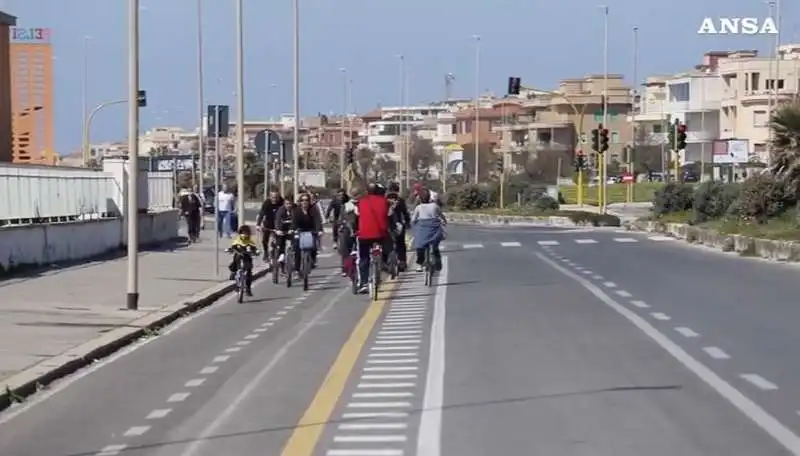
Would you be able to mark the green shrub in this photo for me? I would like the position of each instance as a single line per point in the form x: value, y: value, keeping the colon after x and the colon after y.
x: 761, y: 197
x: 713, y: 200
x: 673, y: 197
x: 545, y: 203
x: 467, y: 198
x: 594, y: 219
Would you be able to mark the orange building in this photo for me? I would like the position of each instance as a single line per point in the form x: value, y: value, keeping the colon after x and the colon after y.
x: 6, y: 22
x: 32, y: 96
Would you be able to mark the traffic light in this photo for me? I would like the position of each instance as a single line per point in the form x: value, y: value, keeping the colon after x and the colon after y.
x: 580, y: 162
x: 514, y: 85
x: 603, y: 140
x: 681, y: 136
x: 141, y: 98
x: 596, y: 138
x: 499, y: 164
x: 349, y: 157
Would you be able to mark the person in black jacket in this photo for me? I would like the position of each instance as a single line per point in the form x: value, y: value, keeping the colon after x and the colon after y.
x: 266, y: 220
x: 334, y: 213
x: 400, y: 219
x: 191, y: 207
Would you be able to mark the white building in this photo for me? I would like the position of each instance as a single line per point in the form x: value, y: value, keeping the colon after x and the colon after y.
x: 383, y: 126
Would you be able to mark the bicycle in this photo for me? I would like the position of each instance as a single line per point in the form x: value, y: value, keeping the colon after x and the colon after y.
x: 288, y: 256
x: 392, y: 260
x: 375, y: 260
x: 306, y: 241
x: 240, y: 277
x: 428, y: 266
x: 273, y: 260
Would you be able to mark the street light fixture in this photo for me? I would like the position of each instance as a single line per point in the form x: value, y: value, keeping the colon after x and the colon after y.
x: 296, y: 101
x: 240, y: 109
x: 476, y: 128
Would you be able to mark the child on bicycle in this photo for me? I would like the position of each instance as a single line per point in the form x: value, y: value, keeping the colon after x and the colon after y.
x: 428, y: 224
x: 243, y: 248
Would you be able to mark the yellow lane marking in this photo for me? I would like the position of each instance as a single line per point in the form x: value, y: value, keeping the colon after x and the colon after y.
x: 309, y: 430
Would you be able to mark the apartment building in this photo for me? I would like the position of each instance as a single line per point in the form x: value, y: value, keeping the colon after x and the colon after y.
x: 383, y: 126
x: 751, y: 85
x: 564, y: 118
x: 6, y: 119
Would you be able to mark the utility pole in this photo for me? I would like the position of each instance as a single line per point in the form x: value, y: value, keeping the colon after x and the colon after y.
x: 604, y: 176
x: 201, y: 138
x: 401, y: 127
x: 476, y: 127
x: 631, y: 188
x: 240, y: 110
x: 87, y: 152
x: 344, y: 116
x: 133, y: 156
x: 296, y: 94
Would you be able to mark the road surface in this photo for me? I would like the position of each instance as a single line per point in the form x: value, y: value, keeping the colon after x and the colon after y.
x: 533, y: 341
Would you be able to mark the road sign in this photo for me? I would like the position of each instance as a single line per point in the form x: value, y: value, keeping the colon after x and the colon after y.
x: 217, y: 123
x: 141, y: 98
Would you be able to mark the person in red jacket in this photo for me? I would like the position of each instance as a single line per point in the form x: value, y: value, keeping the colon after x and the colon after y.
x: 372, y: 227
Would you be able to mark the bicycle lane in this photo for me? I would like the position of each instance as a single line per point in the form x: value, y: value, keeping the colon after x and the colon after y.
x: 162, y: 393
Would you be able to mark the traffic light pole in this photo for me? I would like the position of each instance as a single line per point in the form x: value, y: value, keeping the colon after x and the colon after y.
x: 580, y: 188
x: 676, y: 159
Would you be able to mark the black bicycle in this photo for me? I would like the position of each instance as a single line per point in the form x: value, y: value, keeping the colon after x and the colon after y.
x: 273, y: 260
x: 305, y: 259
x: 392, y: 260
x: 375, y: 266
x: 288, y: 256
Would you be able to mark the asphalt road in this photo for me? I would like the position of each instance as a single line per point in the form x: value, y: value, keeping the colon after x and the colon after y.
x: 531, y: 342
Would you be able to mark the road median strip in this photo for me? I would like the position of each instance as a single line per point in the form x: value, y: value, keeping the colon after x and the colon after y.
x: 37, y: 377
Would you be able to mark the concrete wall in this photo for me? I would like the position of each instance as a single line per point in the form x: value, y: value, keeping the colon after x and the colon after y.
x: 45, y: 244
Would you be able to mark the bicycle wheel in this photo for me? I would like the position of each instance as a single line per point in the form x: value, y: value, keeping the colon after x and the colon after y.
x: 288, y: 264
x: 305, y: 268
x: 276, y: 270
x: 394, y: 266
x: 375, y: 277
x: 240, y: 285
x: 429, y: 267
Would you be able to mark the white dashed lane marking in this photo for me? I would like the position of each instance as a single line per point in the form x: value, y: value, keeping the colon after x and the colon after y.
x: 136, y: 431
x: 585, y: 241
x: 625, y: 240
x: 759, y: 382
x: 623, y: 293
x: 660, y: 316
x: 716, y: 353
x: 208, y: 370
x: 178, y: 397
x: 510, y: 244
x: 112, y: 450
x: 686, y: 332
x: 549, y: 243
x: 610, y: 284
x: 640, y: 304
x: 158, y: 414
x: 194, y: 383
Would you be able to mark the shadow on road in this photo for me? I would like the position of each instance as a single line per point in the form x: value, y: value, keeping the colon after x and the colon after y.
x: 476, y: 404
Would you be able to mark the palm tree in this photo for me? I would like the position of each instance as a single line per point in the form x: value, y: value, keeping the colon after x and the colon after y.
x: 785, y: 144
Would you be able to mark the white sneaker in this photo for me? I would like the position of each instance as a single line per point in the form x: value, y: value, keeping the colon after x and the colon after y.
x: 420, y: 269
x: 280, y: 258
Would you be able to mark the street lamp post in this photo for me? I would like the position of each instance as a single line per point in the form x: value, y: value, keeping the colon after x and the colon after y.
x: 201, y: 138
x: 133, y: 156
x: 342, y: 126
x: 240, y: 109
x: 476, y: 128
x: 87, y: 154
x: 87, y: 122
x: 401, y: 128
x: 604, y: 158
x: 296, y: 96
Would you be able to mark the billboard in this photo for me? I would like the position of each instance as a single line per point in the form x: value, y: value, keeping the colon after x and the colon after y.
x: 731, y: 151
x: 35, y: 35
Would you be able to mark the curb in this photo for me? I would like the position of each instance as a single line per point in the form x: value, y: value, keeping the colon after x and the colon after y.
x: 508, y: 220
x: 35, y: 378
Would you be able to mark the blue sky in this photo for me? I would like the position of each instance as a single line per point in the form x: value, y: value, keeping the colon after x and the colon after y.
x: 538, y: 41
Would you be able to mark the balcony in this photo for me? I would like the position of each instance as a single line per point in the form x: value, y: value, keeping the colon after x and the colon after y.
x: 700, y: 136
x: 381, y: 139
x: 763, y: 96
x: 448, y: 138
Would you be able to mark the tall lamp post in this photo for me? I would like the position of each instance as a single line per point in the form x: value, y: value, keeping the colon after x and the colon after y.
x: 240, y: 109
x: 133, y: 156
x: 476, y: 127
x: 296, y: 96
x: 201, y: 138
x: 604, y: 157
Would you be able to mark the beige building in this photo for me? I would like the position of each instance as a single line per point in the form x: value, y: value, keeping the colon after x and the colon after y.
x: 751, y: 85
x: 564, y: 118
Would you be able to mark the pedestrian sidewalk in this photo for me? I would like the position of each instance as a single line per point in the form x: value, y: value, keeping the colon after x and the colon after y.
x: 59, y: 314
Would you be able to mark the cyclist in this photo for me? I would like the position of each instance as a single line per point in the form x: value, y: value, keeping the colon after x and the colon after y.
x: 428, y: 224
x: 266, y: 220
x: 334, y: 213
x: 306, y: 218
x: 284, y: 218
x: 400, y: 220
x: 418, y: 188
x: 372, y: 228
x: 243, y: 247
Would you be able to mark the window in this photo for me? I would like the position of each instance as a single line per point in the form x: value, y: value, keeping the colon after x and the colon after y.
x: 614, y: 137
x: 771, y: 84
x: 760, y: 118
x: 754, y: 78
x: 658, y: 128
x: 679, y: 92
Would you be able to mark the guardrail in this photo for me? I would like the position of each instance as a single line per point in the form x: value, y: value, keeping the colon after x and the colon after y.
x: 47, y: 194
